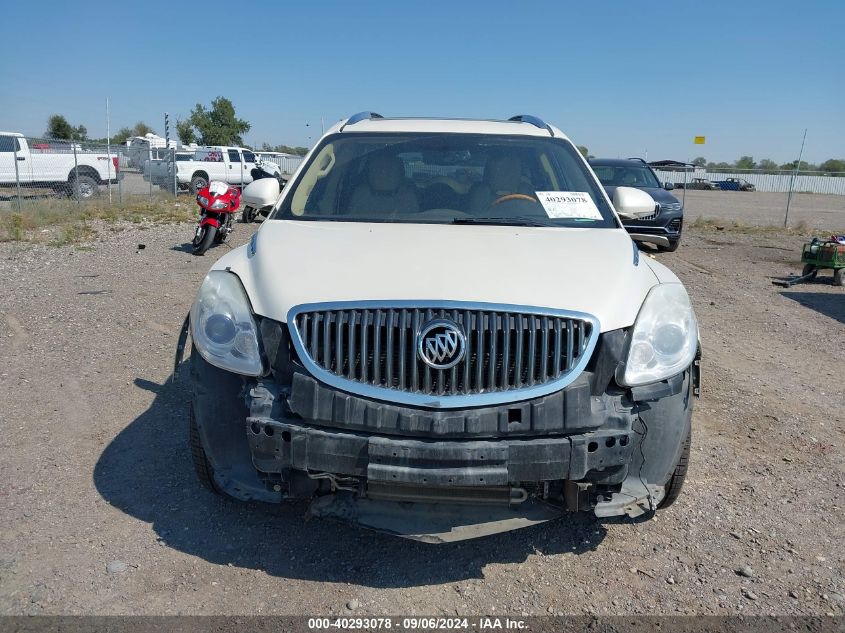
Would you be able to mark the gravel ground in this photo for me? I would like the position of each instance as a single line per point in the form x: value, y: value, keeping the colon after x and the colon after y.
x: 100, y: 512
x: 813, y: 210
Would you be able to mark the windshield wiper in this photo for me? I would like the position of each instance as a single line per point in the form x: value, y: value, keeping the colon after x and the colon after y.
x: 508, y: 221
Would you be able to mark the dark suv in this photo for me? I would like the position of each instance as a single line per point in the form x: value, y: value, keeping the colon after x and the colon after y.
x: 668, y: 218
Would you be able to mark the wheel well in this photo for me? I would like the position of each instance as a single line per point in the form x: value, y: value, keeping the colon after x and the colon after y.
x: 199, y: 173
x: 84, y: 170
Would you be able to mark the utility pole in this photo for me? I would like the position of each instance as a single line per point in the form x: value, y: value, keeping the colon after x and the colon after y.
x: 792, y: 178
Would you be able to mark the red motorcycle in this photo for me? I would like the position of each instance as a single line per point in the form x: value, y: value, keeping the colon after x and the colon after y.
x: 218, y: 203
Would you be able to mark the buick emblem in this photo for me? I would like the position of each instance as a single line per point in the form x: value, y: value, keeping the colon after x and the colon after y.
x: 441, y: 344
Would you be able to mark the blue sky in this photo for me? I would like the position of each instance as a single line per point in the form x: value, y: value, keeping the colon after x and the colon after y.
x: 623, y: 78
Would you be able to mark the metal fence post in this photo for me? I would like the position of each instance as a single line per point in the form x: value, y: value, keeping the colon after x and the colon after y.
x: 76, y: 194
x: 175, y: 177
x: 792, y: 179
x: 17, y: 173
x: 120, y: 180
x: 108, y: 147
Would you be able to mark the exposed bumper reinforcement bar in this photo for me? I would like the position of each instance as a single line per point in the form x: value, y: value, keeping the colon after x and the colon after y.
x: 277, y: 446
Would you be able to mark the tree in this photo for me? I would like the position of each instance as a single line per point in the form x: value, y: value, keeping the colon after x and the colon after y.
x: 745, y: 162
x: 121, y: 136
x: 700, y: 161
x: 216, y: 125
x: 287, y: 149
x: 58, y: 128
x: 767, y: 165
x: 804, y: 166
x: 834, y: 165
x: 142, y: 129
x: 185, y: 132
x: 584, y: 151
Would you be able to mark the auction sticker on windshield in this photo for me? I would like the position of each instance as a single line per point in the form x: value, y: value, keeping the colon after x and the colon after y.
x: 568, y: 204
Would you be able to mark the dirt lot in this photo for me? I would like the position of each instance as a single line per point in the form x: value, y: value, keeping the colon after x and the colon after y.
x: 811, y: 210
x: 100, y: 511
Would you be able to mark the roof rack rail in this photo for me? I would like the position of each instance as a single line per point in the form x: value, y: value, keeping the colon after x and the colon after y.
x: 361, y: 116
x: 533, y: 120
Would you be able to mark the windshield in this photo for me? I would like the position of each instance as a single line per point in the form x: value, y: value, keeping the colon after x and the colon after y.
x: 626, y: 176
x: 446, y: 179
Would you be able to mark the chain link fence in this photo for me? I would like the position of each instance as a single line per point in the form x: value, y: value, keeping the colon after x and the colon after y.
x: 773, y: 181
x: 33, y: 169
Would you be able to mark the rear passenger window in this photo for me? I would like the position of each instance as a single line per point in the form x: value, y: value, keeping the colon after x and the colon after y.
x: 234, y: 156
x: 249, y: 157
x: 9, y: 144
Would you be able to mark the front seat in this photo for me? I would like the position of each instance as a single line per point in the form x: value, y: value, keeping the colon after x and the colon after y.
x: 502, y: 176
x: 385, y: 192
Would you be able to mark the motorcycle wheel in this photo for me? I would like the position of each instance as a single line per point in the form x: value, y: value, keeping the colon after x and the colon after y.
x: 248, y: 215
x: 203, y: 239
x: 221, y: 237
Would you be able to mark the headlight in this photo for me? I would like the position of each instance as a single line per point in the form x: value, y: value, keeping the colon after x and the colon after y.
x: 219, y: 204
x: 203, y: 201
x: 664, y: 339
x: 222, y: 326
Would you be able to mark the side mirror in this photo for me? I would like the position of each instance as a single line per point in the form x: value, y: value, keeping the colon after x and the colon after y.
x: 261, y: 193
x: 633, y: 203
x: 668, y: 186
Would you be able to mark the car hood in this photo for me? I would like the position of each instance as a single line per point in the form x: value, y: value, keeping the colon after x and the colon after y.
x: 586, y: 270
x: 658, y: 193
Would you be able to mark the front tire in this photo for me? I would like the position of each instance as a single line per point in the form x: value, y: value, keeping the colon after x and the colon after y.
x: 202, y: 467
x: 676, y: 480
x: 839, y: 277
x: 809, y: 268
x: 203, y: 239
x: 673, y: 246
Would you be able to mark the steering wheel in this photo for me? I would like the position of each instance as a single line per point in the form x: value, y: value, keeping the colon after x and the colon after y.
x: 514, y: 196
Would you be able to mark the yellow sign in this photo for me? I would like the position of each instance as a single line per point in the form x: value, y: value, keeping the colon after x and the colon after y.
x: 698, y: 140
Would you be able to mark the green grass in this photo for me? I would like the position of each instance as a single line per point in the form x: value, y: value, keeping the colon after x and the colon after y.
x: 60, y: 222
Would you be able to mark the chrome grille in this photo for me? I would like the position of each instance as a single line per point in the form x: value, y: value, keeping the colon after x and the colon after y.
x: 648, y: 217
x: 375, y: 347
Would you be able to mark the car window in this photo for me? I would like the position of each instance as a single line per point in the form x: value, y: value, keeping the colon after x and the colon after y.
x: 234, y: 156
x: 604, y: 174
x: 210, y: 156
x: 627, y: 175
x: 249, y: 157
x: 444, y: 178
x: 9, y: 144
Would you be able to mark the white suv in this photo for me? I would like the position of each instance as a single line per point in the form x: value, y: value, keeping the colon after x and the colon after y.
x: 443, y: 330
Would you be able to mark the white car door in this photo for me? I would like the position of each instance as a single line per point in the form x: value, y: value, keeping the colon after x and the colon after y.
x: 9, y: 145
x: 236, y: 168
x: 249, y: 165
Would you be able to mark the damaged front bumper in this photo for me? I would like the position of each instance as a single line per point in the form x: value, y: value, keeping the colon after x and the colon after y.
x: 444, y: 475
x: 443, y: 490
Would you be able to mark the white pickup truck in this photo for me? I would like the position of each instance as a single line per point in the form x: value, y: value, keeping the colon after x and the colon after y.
x: 159, y: 172
x: 231, y: 165
x: 55, y: 167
